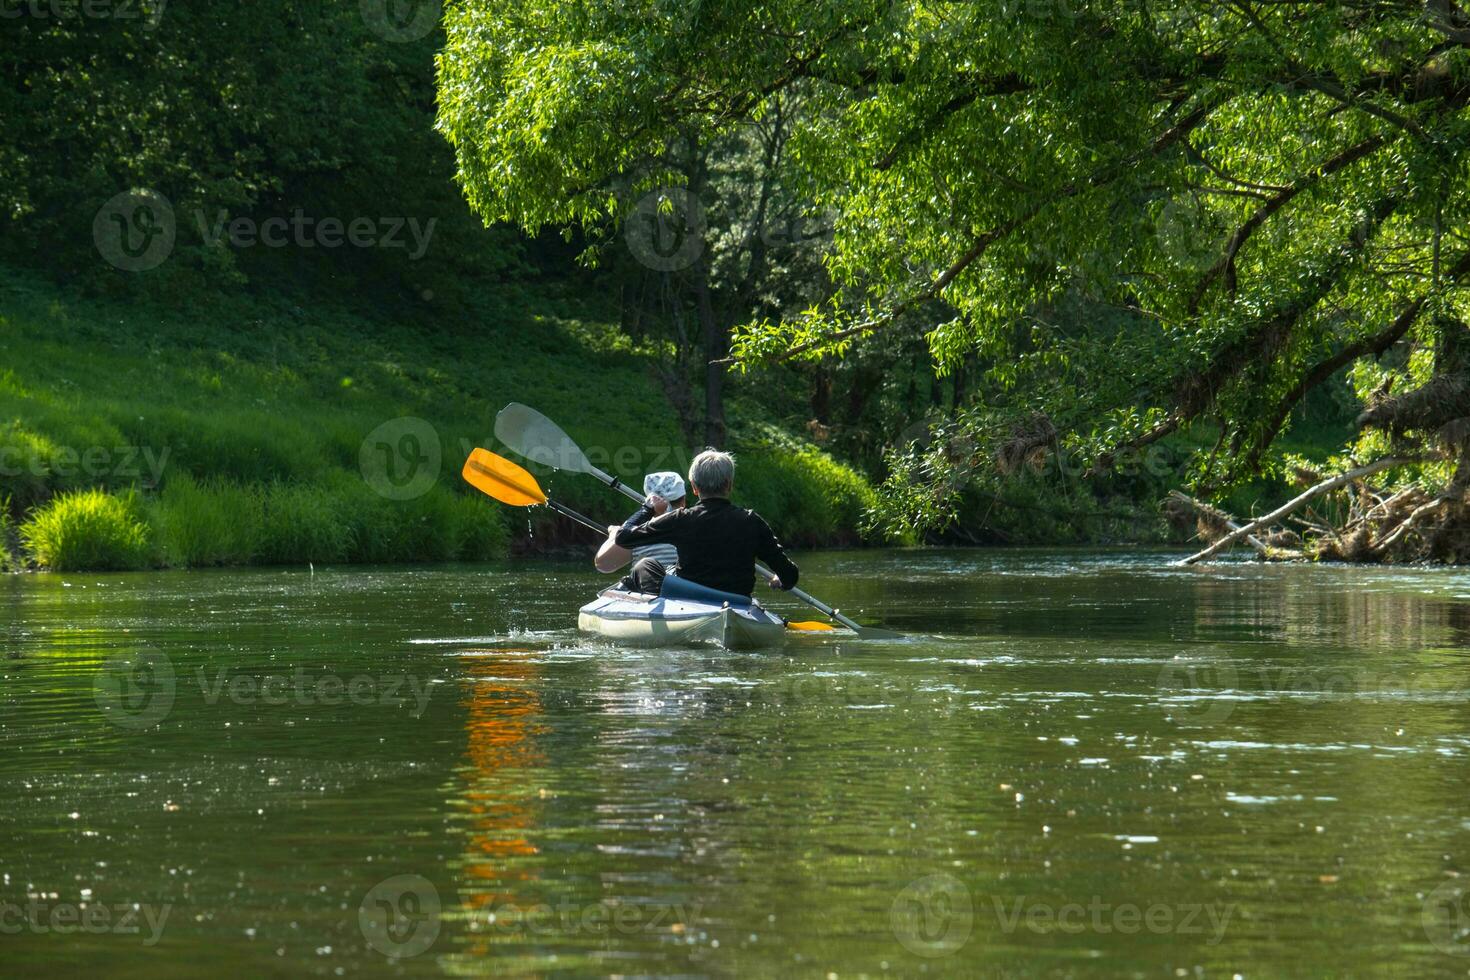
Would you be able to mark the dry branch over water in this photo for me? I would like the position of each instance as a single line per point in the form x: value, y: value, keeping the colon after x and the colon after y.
x: 1409, y: 524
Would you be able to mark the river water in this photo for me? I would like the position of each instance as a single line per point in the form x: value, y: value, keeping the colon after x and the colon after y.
x: 1076, y: 764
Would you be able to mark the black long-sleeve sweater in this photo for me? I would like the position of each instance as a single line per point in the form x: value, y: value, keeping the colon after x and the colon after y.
x: 718, y: 544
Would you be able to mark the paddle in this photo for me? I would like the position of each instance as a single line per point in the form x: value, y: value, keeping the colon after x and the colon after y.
x: 511, y: 484
x: 536, y: 437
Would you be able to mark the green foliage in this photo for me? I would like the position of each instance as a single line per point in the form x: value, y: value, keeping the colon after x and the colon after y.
x: 7, y: 532
x: 88, y: 529
x: 256, y: 111
x: 213, y: 523
x: 805, y: 495
x: 301, y: 524
x: 252, y: 442
x: 483, y: 535
x: 1132, y: 220
x: 340, y: 520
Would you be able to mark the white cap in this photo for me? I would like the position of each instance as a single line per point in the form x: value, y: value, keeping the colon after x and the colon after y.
x: 666, y: 484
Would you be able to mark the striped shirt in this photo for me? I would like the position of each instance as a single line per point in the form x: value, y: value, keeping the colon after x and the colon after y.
x: 665, y: 554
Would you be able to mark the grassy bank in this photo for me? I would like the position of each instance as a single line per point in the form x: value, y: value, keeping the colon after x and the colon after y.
x: 257, y: 428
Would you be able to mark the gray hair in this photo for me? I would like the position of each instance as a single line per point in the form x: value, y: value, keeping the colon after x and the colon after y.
x: 712, y: 472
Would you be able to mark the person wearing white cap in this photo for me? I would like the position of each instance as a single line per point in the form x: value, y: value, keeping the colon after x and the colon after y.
x: 665, y: 491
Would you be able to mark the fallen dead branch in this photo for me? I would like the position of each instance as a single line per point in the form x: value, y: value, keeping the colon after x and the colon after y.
x: 1213, y: 522
x: 1351, y: 541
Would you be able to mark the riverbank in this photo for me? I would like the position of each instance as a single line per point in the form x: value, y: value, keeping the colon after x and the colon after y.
x: 262, y: 427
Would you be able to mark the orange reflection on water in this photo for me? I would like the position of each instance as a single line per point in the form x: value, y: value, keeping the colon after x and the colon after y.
x: 502, y: 707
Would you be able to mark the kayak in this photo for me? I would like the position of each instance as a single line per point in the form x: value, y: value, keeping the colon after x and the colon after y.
x: 650, y: 620
x: 682, y: 613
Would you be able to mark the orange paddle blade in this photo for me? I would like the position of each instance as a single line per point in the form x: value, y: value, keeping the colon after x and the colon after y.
x: 502, y: 479
x: 810, y: 626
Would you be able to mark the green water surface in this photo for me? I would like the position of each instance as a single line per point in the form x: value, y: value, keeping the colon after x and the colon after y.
x: 1077, y: 764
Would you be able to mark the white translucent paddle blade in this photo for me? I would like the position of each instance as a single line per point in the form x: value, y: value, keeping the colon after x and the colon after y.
x: 532, y: 435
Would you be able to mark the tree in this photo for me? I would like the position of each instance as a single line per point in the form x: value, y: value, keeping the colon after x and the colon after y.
x: 235, y: 111
x: 710, y: 215
x: 1275, y: 192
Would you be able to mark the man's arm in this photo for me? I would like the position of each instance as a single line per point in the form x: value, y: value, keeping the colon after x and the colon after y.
x: 668, y: 527
x: 769, y: 550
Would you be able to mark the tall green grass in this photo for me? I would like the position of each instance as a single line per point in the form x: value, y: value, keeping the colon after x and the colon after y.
x: 214, y: 523
x: 241, y: 425
x: 7, y: 531
x: 338, y: 520
x: 88, y: 529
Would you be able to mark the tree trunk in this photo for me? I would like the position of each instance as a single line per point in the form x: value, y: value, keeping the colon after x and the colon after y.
x: 822, y: 394
x: 958, y: 379
x: 865, y: 383
x: 716, y: 346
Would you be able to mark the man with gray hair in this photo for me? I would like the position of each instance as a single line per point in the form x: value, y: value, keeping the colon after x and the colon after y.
x: 717, y: 543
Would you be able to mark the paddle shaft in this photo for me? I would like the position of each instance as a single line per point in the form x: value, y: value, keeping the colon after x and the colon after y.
x: 566, y: 511
x: 810, y: 600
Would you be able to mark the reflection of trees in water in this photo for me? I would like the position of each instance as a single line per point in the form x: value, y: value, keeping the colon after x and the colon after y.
x: 500, y: 803
x: 1313, y: 609
x: 1457, y: 620
x: 13, y: 604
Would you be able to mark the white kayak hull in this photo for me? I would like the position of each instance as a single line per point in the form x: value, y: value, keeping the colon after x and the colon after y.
x: 660, y: 621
